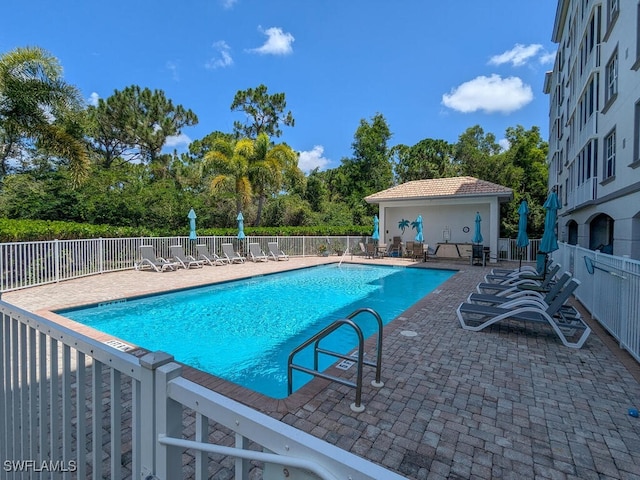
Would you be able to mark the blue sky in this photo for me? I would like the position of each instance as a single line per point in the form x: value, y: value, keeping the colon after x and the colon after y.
x: 432, y: 69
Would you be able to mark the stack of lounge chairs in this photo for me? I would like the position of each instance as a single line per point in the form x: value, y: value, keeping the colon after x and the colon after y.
x: 526, y: 295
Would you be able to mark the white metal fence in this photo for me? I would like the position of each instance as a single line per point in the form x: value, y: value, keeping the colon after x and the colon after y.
x: 28, y: 264
x: 72, y: 407
x: 609, y: 290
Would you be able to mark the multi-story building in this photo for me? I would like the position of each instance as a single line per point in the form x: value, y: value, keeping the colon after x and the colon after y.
x: 594, y: 130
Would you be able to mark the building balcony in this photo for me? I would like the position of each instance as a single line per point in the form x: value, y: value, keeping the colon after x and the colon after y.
x: 584, y: 193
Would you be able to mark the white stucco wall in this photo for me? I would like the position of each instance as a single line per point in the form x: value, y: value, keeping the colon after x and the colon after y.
x: 440, y: 214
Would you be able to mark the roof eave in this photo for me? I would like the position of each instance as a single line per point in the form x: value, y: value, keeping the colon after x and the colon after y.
x: 506, y: 195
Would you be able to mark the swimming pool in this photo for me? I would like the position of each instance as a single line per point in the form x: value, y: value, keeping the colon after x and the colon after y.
x: 244, y: 330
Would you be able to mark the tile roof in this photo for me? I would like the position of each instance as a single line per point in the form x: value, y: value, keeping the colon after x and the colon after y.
x: 440, y: 187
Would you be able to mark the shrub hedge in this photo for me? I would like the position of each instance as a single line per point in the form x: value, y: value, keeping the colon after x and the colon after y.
x: 40, y: 230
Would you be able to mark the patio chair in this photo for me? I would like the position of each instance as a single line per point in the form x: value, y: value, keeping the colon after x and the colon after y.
x: 395, y: 248
x: 408, y: 249
x: 276, y: 253
x: 230, y: 254
x: 150, y: 259
x: 183, y: 260
x: 478, y: 256
x: 370, y: 250
x: 256, y: 253
x: 475, y: 317
x: 418, y: 251
x: 209, y: 258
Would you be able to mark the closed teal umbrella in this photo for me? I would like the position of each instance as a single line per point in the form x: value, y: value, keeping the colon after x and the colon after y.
x: 549, y: 242
x: 477, y: 237
x: 240, y: 219
x: 376, y: 233
x: 192, y: 225
x: 523, y: 239
x: 418, y: 225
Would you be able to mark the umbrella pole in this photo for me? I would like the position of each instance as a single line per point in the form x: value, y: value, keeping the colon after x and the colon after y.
x: 520, y: 264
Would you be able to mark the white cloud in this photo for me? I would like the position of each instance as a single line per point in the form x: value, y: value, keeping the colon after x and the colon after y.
x: 223, y: 58
x: 173, y: 68
x: 311, y: 159
x: 93, y: 99
x: 177, y: 140
x: 504, y: 144
x: 227, y: 4
x: 278, y: 42
x: 547, y: 58
x: 517, y: 56
x: 489, y: 94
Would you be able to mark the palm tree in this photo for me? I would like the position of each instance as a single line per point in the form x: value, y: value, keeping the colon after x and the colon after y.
x: 268, y: 166
x: 403, y: 224
x: 38, y: 107
x: 229, y: 160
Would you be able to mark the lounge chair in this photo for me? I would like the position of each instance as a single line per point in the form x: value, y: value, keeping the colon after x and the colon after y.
x: 523, y: 290
x: 475, y: 317
x: 276, y: 253
x: 508, y: 283
x: 230, y: 254
x: 183, y: 260
x: 150, y: 259
x: 209, y: 258
x: 256, y: 253
x: 547, y: 275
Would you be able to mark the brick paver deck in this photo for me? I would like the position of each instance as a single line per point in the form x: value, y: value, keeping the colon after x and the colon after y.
x: 508, y: 402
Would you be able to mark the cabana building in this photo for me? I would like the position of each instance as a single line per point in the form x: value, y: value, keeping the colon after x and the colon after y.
x: 448, y: 207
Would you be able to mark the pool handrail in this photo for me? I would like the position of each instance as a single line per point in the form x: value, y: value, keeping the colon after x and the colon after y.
x: 357, y: 405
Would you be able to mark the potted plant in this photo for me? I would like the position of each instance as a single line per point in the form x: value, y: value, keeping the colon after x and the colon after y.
x: 323, y: 250
x: 338, y: 248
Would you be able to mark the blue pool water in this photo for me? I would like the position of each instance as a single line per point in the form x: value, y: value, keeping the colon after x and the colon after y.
x: 243, y: 331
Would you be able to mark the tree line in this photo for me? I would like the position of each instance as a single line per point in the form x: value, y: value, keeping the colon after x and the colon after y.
x: 107, y: 164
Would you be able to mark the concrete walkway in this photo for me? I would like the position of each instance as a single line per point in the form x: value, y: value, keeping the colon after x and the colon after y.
x: 508, y: 402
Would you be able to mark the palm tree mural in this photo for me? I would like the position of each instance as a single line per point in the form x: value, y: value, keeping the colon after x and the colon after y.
x: 403, y: 225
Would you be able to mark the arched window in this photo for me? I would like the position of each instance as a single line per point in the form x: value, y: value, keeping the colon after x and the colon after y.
x: 601, y: 233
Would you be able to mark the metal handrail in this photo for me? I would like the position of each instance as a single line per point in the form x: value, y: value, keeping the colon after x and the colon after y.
x: 357, y: 405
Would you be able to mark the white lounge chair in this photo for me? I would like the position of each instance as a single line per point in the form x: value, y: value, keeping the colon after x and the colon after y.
x: 256, y: 253
x: 475, y: 316
x: 209, y: 258
x: 276, y: 253
x: 230, y: 254
x: 184, y: 260
x: 150, y: 259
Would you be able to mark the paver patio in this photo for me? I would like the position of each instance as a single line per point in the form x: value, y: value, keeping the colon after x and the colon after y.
x: 508, y: 402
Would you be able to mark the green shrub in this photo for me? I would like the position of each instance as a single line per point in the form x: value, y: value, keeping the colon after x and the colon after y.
x: 39, y: 230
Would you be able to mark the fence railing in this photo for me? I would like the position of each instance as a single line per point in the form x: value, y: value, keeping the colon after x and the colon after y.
x: 73, y: 407
x: 29, y: 264
x: 609, y: 290
x: 508, y: 250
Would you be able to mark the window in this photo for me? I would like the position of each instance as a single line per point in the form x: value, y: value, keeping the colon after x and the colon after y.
x: 609, y: 155
x: 612, y: 78
x: 636, y: 135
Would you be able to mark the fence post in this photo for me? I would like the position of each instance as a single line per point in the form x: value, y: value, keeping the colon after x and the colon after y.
x: 148, y: 441
x: 625, y: 331
x: 101, y: 255
x: 56, y: 257
x: 168, y: 423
